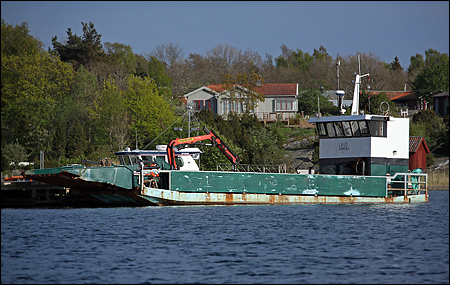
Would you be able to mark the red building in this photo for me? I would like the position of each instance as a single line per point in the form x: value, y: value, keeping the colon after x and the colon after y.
x: 418, y: 151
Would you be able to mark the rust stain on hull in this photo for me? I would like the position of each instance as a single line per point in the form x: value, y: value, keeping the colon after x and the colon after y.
x: 167, y: 197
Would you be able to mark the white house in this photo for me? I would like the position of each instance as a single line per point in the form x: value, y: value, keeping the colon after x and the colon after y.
x: 280, y: 101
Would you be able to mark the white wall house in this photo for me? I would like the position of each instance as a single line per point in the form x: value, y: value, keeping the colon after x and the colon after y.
x: 280, y: 101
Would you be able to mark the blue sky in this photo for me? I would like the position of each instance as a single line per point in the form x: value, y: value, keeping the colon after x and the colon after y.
x: 385, y: 28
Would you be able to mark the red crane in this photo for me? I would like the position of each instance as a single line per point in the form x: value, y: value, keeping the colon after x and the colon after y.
x: 210, y: 135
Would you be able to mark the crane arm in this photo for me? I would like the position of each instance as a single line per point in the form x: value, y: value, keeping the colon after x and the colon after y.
x: 210, y: 135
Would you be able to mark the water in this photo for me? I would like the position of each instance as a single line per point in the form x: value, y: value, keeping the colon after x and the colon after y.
x: 407, y: 243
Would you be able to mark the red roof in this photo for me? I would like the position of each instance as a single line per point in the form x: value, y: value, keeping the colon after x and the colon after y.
x: 266, y: 89
x: 414, y: 143
x: 395, y: 95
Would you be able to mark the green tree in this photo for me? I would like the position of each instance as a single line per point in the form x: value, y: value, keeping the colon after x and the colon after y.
x: 417, y: 63
x: 76, y: 141
x: 121, y: 54
x: 80, y: 50
x: 156, y: 71
x: 242, y: 89
x: 433, y: 78
x: 111, y: 117
x: 435, y: 131
x: 16, y: 40
x: 59, y: 142
x: 375, y: 103
x: 150, y: 113
x: 31, y: 85
x: 395, y: 65
x: 15, y: 153
x: 311, y: 98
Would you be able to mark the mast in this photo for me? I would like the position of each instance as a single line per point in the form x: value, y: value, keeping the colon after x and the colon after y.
x: 355, y: 103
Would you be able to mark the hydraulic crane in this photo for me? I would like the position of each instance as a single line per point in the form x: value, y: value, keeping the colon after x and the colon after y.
x: 210, y: 135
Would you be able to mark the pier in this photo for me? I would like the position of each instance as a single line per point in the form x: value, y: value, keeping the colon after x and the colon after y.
x: 25, y: 193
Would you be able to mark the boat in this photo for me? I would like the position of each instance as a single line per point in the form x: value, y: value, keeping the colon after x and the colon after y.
x: 363, y: 158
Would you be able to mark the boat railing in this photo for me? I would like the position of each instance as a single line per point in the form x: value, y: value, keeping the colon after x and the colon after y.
x: 251, y: 168
x: 407, y: 183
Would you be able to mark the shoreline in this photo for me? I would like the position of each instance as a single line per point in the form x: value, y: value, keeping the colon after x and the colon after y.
x: 439, y: 188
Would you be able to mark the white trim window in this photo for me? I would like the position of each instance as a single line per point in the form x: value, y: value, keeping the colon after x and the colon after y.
x: 285, y: 105
x: 228, y: 106
x: 203, y: 104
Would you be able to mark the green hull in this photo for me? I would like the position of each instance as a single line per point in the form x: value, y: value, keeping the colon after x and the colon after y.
x: 285, y: 184
x: 116, y: 185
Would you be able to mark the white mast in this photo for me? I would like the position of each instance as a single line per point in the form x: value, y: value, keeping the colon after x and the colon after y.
x: 355, y: 104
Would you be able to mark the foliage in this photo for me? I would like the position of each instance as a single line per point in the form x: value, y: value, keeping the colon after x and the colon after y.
x: 121, y: 54
x: 80, y: 50
x: 149, y: 112
x: 114, y: 93
x: 435, y: 132
x: 310, y: 100
x: 156, y: 71
x: 16, y: 40
x: 242, y: 90
x: 111, y: 117
x: 15, y: 153
x: 76, y: 140
x: 31, y: 86
x: 433, y: 78
x: 375, y: 102
x: 417, y: 63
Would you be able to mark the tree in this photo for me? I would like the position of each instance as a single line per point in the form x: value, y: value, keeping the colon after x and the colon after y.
x: 31, y: 86
x: 242, y: 90
x: 80, y: 50
x: 14, y: 153
x: 59, y: 142
x: 157, y: 71
x: 395, y: 65
x: 168, y: 53
x: 16, y: 40
x: 121, y: 54
x: 417, y: 63
x: 150, y: 113
x: 76, y: 141
x: 433, y: 78
x: 111, y: 117
x: 428, y: 125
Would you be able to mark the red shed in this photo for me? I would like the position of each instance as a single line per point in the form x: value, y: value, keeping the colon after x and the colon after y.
x: 418, y: 151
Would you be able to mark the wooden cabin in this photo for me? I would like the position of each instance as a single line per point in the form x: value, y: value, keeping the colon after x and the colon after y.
x: 418, y: 151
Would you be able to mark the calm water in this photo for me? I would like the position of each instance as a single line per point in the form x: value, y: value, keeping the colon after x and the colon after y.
x: 229, y: 244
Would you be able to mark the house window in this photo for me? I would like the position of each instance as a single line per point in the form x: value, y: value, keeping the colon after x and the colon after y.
x: 285, y: 105
x: 231, y: 106
x: 198, y: 104
x: 209, y: 104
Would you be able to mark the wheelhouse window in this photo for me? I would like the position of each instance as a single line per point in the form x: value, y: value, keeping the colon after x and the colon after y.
x: 321, y: 129
x: 331, y: 131
x: 378, y: 128
x: 347, y: 128
x: 339, y: 130
x: 363, y: 128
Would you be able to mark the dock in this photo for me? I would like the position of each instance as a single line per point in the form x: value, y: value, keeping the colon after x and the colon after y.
x: 23, y: 193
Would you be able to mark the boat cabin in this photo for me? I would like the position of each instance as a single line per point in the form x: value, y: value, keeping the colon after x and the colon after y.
x: 362, y: 144
x: 157, y: 159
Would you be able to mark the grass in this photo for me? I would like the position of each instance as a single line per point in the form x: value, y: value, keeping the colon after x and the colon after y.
x: 296, y: 133
x: 438, y: 179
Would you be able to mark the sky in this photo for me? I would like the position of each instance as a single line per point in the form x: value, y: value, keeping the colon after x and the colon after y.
x: 387, y: 29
